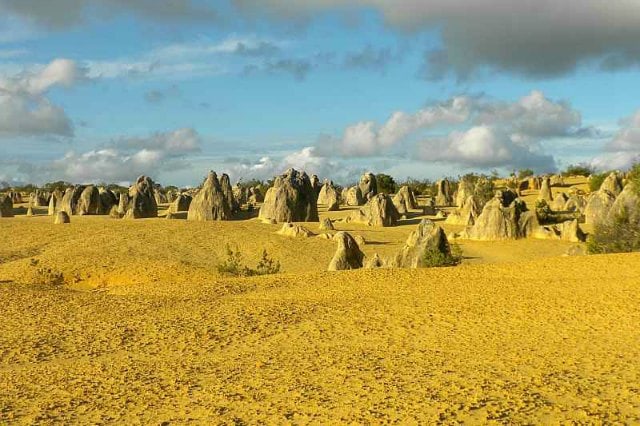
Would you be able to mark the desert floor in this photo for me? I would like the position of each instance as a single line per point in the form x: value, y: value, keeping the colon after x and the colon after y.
x: 145, y: 330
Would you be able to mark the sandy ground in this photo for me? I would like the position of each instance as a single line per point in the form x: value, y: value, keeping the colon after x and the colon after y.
x: 146, y: 331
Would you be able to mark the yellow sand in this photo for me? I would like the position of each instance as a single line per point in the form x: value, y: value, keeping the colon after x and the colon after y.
x: 146, y: 331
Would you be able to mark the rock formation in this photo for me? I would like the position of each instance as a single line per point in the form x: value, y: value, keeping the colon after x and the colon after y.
x: 54, y: 201
x: 545, y: 191
x: 598, y: 206
x: 326, y: 225
x: 6, y: 206
x: 348, y: 254
x: 559, y: 202
x: 426, y: 238
x: 501, y: 221
x: 353, y: 196
x: 142, y: 201
x: 379, y: 211
x: 612, y: 183
x: 159, y: 196
x: 123, y: 204
x: 210, y: 202
x: 294, y: 231
x: 368, y: 186
x: 315, y: 184
x: 329, y: 196
x: 240, y: 194
x: 39, y: 198
x: 465, y: 190
x: 626, y: 205
x: 255, y: 195
x: 107, y: 200
x: 291, y: 199
x: 181, y: 203
x: 404, y: 200
x: 444, y: 197
x: 89, y: 202
x: 61, y: 217
x: 466, y: 215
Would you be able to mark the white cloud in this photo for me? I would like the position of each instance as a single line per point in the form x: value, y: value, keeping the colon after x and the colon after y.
x: 623, y: 150
x: 366, y: 138
x: 481, y: 132
x: 24, y: 108
x: 484, y: 147
x: 124, y: 159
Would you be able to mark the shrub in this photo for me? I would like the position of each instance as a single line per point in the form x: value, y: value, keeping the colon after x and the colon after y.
x: 43, y: 275
x: 233, y: 266
x: 267, y: 265
x: 419, y: 187
x: 596, y: 181
x: 385, y: 183
x: 621, y: 235
x: 578, y: 170
x: 525, y: 173
x: 543, y: 211
x: 434, y: 258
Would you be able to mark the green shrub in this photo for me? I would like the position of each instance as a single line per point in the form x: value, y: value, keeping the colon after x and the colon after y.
x: 578, y: 170
x: 596, y: 181
x: 543, y: 211
x: 386, y: 184
x: 418, y: 186
x: 434, y: 258
x: 233, y: 265
x: 43, y: 275
x: 621, y: 235
x: 267, y: 265
x: 525, y: 173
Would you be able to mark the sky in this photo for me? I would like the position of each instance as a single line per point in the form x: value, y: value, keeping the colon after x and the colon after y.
x: 106, y: 90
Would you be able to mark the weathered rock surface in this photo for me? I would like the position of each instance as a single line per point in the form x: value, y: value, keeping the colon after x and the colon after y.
x: 295, y: 231
x: 61, y: 217
x: 348, y: 254
x: 444, y: 197
x: 142, y: 201
x: 379, y: 211
x: 404, y: 200
x: 210, y: 202
x: 6, y: 206
x: 598, y: 205
x: 545, y: 191
x: 329, y: 196
x: 291, y: 199
x: 368, y: 186
x: 427, y: 237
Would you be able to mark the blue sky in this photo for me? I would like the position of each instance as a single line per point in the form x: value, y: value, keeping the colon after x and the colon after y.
x: 106, y: 90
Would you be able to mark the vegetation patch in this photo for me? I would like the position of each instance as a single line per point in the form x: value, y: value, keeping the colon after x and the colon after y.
x: 233, y: 265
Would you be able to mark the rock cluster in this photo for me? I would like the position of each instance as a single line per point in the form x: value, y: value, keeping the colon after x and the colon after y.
x: 291, y: 199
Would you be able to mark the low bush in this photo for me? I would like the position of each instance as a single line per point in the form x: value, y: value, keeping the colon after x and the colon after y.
x: 434, y: 258
x: 233, y: 265
x: 621, y: 235
x: 596, y: 181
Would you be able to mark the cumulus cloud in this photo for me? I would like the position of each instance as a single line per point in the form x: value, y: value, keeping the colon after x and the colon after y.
x: 478, y: 132
x: 484, y: 147
x: 306, y: 159
x: 623, y: 150
x: 124, y: 159
x: 536, y: 38
x: 367, y: 138
x: 24, y: 108
x: 65, y: 13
